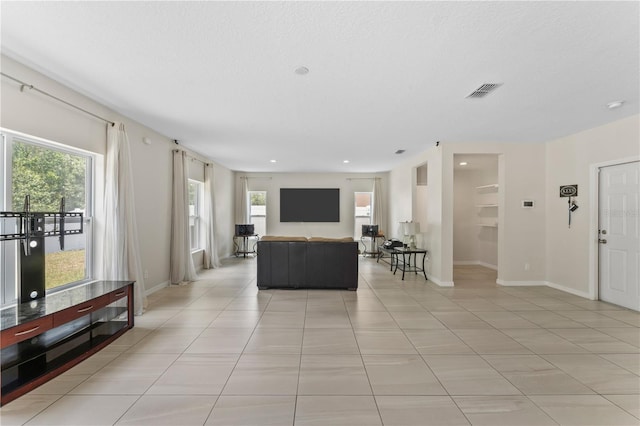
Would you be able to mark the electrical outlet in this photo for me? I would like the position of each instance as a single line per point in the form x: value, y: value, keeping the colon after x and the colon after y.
x: 146, y: 274
x: 527, y: 266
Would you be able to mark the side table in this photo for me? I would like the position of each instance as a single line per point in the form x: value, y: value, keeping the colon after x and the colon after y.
x: 405, y: 265
x: 241, y: 244
x: 374, y: 238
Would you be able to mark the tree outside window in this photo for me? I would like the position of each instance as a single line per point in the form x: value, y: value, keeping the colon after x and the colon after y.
x: 48, y: 173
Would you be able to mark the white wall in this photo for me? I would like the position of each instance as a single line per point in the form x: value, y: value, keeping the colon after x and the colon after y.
x: 569, y: 159
x: 348, y: 183
x: 422, y: 204
x: 420, y: 213
x: 224, y: 198
x: 34, y: 114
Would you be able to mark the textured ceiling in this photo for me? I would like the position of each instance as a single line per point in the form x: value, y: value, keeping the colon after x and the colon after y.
x: 219, y: 76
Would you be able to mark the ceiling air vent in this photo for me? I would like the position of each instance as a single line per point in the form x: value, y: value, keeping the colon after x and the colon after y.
x: 484, y: 90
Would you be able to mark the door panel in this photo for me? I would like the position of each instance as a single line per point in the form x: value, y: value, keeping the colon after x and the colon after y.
x: 619, y: 249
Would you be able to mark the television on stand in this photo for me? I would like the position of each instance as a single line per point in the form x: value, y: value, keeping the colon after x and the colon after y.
x: 246, y: 229
x: 369, y: 230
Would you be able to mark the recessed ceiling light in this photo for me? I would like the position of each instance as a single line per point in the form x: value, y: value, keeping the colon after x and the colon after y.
x: 302, y: 70
x: 463, y: 163
x: 400, y: 151
x: 615, y: 104
x: 346, y: 161
x: 273, y: 161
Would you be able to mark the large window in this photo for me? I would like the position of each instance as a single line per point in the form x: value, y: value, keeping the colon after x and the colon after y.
x: 47, y: 172
x: 258, y: 211
x: 196, y: 192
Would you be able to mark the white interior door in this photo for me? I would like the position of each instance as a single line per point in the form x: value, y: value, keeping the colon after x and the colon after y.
x: 618, y: 234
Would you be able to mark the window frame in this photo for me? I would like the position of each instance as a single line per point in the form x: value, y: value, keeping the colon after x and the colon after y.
x: 8, y: 251
x: 197, y: 217
x: 251, y: 216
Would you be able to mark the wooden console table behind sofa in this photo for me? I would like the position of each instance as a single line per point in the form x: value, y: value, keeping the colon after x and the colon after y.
x: 43, y: 338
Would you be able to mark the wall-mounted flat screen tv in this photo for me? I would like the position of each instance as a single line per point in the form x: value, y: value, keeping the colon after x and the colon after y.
x: 309, y: 205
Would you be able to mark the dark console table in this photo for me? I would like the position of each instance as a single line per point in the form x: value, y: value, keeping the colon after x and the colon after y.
x: 391, y: 251
x: 43, y: 338
x: 241, y: 244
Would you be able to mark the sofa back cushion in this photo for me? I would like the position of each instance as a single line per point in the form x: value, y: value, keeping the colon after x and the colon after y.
x: 282, y: 238
x: 330, y: 240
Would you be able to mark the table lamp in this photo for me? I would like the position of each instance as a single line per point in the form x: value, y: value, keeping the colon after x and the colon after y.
x: 410, y: 229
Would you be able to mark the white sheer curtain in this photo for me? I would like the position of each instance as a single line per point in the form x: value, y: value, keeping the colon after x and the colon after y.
x: 244, y: 201
x: 210, y: 251
x: 181, y: 263
x: 121, y: 251
x: 377, y: 213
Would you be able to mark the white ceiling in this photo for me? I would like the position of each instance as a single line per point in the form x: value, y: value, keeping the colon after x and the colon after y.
x: 219, y: 76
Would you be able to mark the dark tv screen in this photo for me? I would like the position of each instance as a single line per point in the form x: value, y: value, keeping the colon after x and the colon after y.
x: 309, y: 205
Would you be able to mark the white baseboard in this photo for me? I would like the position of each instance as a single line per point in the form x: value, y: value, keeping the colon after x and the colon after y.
x: 156, y: 287
x: 476, y: 262
x: 570, y: 290
x: 439, y: 282
x: 520, y: 283
x: 488, y: 265
x: 547, y: 284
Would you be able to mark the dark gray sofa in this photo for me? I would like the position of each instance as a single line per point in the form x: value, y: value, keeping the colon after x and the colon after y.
x: 298, y: 262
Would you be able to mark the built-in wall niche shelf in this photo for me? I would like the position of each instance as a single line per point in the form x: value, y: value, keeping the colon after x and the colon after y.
x: 491, y: 186
x: 487, y: 205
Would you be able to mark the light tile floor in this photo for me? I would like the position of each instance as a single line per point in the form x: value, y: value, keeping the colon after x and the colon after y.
x: 220, y: 352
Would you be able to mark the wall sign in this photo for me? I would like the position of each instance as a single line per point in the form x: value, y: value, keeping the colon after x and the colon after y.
x: 568, y: 190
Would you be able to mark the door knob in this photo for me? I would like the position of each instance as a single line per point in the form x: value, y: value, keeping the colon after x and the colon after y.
x: 602, y: 240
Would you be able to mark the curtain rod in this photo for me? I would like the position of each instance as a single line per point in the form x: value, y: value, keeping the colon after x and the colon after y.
x: 363, y: 178
x: 192, y: 157
x: 32, y: 87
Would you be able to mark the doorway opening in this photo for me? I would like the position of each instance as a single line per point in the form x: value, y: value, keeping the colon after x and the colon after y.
x: 475, y: 219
